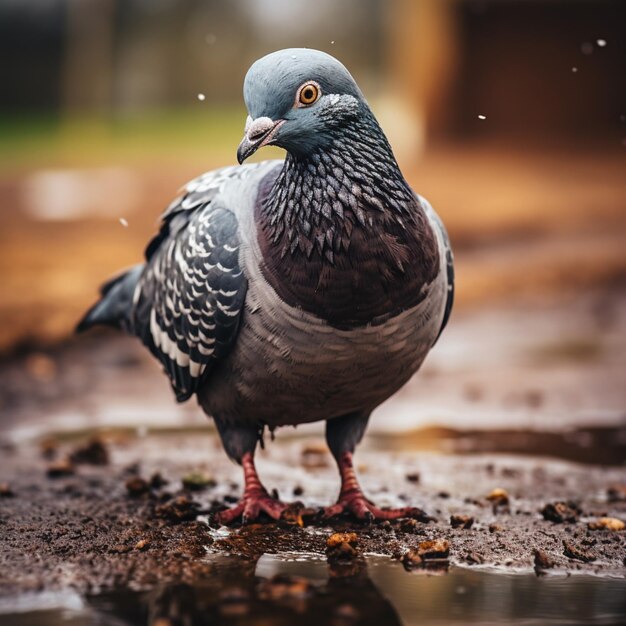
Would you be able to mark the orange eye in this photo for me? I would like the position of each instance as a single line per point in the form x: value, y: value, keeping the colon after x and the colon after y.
x: 308, y: 94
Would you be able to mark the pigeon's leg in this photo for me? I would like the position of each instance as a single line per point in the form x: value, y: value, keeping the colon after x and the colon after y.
x: 342, y: 435
x: 240, y: 444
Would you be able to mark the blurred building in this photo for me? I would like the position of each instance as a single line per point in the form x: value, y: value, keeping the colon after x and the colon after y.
x: 543, y: 69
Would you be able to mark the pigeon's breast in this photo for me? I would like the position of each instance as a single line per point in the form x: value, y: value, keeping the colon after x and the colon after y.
x: 289, y: 366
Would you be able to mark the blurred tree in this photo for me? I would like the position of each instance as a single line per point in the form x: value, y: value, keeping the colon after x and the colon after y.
x: 88, y: 59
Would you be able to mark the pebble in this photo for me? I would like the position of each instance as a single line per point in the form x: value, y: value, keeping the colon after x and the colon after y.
x: 607, y: 523
x: 181, y: 509
x: 94, y: 452
x: 61, y: 468
x: 560, y: 512
x: 136, y: 486
x: 616, y: 493
x: 498, y: 496
x: 434, y: 549
x: 461, y: 521
x: 142, y: 544
x: 543, y: 561
x: 197, y: 481
x: 342, y: 546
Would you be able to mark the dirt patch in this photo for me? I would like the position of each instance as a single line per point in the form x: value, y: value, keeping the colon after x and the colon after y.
x: 124, y: 525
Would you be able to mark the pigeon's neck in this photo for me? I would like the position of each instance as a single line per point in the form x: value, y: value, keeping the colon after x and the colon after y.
x: 342, y: 234
x: 354, y: 181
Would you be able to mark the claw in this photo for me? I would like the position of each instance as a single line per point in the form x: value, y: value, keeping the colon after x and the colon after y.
x: 352, y: 500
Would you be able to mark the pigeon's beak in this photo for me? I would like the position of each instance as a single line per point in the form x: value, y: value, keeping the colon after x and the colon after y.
x: 258, y: 133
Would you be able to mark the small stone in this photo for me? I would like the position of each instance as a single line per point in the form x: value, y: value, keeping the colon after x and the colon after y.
x: 142, y: 544
x: 498, y: 496
x: 575, y: 552
x: 58, y: 469
x: 94, y: 452
x: 412, y: 559
x: 607, y: 523
x: 413, y: 477
x: 6, y: 491
x: 434, y: 549
x: 136, y: 486
x: 197, y: 481
x: 409, y: 525
x: 157, y: 481
x: 560, y: 512
x: 461, y: 521
x: 543, y: 561
x: 495, y: 528
x: 298, y: 490
x: 181, y: 509
x: 342, y: 546
x: 616, y: 493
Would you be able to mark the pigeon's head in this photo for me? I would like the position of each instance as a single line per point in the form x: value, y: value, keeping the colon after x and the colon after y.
x: 297, y: 99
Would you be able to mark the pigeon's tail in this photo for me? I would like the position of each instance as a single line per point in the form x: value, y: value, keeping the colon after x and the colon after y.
x: 115, y: 305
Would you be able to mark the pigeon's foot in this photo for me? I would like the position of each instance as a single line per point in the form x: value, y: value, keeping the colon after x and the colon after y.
x: 362, y: 508
x: 250, y: 507
x: 255, y: 499
x: 352, y: 500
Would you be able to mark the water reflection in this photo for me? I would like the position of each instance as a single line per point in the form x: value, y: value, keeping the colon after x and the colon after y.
x: 303, y: 589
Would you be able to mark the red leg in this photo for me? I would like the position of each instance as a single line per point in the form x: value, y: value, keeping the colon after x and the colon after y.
x: 351, y: 498
x: 255, y: 498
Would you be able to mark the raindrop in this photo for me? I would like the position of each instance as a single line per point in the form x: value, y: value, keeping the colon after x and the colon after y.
x: 622, y: 117
x: 210, y: 39
x: 482, y: 117
x: 601, y: 42
x: 333, y: 41
x: 124, y: 222
x: 586, y: 48
x: 201, y: 97
x: 574, y: 69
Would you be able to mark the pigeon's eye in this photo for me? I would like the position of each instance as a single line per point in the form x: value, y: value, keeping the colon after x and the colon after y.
x: 308, y: 94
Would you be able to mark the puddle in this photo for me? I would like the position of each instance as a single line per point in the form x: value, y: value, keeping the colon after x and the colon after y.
x: 278, y: 589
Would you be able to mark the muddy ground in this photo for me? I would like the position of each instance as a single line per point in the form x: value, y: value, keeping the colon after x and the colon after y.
x: 99, y: 527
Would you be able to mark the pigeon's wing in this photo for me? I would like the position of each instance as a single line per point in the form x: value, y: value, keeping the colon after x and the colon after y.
x: 436, y: 222
x: 188, y: 301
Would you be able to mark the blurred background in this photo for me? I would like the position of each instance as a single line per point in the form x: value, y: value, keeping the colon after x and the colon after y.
x: 508, y: 115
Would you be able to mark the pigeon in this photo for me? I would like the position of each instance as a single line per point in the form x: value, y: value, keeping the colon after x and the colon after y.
x: 292, y: 291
